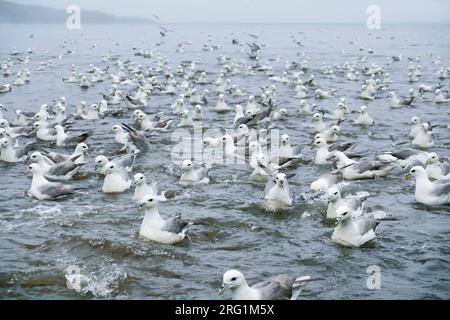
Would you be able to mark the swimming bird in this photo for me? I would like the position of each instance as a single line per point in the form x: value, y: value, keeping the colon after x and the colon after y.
x: 435, y: 169
x: 319, y: 124
x: 364, y: 119
x: 140, y: 100
x: 4, y: 88
x: 254, y: 118
x: 416, y: 126
x: 440, y: 98
x: 64, y: 139
x: 406, y: 157
x: 286, y: 150
x: 64, y: 169
x: 154, y: 227
x: 427, y: 192
x: 363, y: 169
x: 366, y: 93
x: 276, y: 193
x: 126, y: 162
x: 186, y: 120
x: 42, y: 189
x: 331, y: 134
x: 322, y: 152
x: 14, y: 131
x: 353, y: 202
x: 281, y: 114
x: 191, y: 175
x: 80, y: 150
x: 121, y: 136
x: 92, y: 114
x: 10, y: 153
x: 20, y: 120
x: 353, y: 232
x: 43, y: 132
x: 142, y: 189
x: 116, y: 179
x: 304, y: 109
x: 326, y: 181
x: 424, y: 138
x: 396, y: 103
x: 221, y: 105
x: 280, y: 287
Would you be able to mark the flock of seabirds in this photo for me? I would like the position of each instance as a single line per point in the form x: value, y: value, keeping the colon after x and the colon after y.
x: 132, y: 85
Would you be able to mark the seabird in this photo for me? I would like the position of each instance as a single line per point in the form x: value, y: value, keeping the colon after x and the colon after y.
x: 280, y: 287
x: 155, y: 228
x: 42, y: 189
x: 427, y: 192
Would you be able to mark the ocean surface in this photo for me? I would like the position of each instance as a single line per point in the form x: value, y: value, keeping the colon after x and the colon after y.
x: 97, y: 234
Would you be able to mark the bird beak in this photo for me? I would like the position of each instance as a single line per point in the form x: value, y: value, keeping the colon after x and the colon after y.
x: 338, y: 220
x: 133, y: 184
x: 223, y: 288
x: 140, y: 207
x: 408, y: 176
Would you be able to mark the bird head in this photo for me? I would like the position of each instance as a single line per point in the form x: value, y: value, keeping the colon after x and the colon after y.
x: 232, y: 279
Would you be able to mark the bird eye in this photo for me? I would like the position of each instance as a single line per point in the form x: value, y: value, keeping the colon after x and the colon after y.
x: 413, y: 171
x: 335, y: 193
x: 150, y: 200
x: 233, y: 279
x: 30, y: 167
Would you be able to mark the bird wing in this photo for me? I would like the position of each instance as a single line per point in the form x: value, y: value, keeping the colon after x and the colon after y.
x: 125, y: 161
x: 55, y: 190
x: 366, y: 223
x: 62, y: 168
x: 366, y: 165
x: 175, y: 224
x: 441, y: 187
x: 23, y: 151
x: 277, y: 288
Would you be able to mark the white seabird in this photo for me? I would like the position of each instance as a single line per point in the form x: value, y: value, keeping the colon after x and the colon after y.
x: 427, y: 192
x: 353, y: 202
x: 191, y: 175
x: 155, y: 228
x: 280, y: 287
x: 42, y: 189
x: 423, y: 138
x: 276, y: 193
x: 364, y: 119
x: 142, y: 189
x: 10, y: 153
x: 353, y: 232
x: 435, y: 169
x: 363, y: 169
x: 116, y: 179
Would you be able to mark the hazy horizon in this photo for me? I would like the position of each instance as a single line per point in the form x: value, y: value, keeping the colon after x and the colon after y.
x: 265, y: 11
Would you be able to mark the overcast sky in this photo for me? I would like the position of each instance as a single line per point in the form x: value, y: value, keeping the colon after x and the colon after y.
x: 269, y: 11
